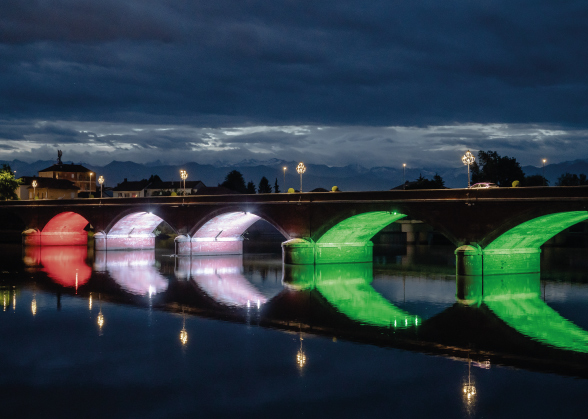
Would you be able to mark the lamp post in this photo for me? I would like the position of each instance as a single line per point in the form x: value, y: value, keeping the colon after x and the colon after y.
x: 285, y: 178
x: 34, y: 185
x: 101, y: 181
x: 301, y: 168
x: 468, y: 159
x: 184, y: 176
x: 90, y: 187
x: 544, y: 161
x: 403, y: 175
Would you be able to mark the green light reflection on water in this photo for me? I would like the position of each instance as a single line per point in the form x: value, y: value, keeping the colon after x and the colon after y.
x: 348, y: 289
x: 516, y: 300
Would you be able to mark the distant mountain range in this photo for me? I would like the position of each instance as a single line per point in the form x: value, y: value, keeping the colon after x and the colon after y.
x: 347, y: 178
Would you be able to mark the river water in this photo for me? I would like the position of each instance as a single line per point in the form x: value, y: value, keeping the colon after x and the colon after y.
x: 143, y: 334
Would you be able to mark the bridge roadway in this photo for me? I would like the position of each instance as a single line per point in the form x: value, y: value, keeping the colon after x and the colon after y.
x: 495, y: 231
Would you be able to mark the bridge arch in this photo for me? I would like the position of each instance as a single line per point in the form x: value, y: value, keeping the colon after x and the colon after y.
x: 134, y: 230
x: 347, y: 241
x: 64, y: 229
x: 221, y: 233
x: 516, y: 250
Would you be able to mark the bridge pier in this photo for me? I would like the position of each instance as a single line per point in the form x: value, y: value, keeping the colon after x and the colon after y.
x: 303, y: 252
x: 35, y: 237
x: 472, y: 260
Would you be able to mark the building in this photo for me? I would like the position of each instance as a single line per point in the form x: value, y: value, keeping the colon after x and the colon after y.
x: 46, y: 188
x: 133, y: 189
x: 166, y: 188
x: 79, y: 175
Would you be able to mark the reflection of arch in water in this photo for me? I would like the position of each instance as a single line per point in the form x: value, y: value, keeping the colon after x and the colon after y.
x: 515, y: 299
x: 65, y: 229
x: 222, y: 279
x: 221, y: 235
x: 348, y: 289
x: 66, y: 265
x: 518, y: 249
x: 347, y: 241
x: 134, y: 270
x: 133, y: 231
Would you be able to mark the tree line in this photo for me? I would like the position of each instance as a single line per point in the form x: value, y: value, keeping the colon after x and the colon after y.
x: 502, y: 170
x: 235, y: 182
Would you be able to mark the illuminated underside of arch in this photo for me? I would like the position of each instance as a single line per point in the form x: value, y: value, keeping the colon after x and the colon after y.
x: 135, y: 231
x: 222, y: 235
x: 65, y: 229
x: 517, y: 250
x: 348, y: 241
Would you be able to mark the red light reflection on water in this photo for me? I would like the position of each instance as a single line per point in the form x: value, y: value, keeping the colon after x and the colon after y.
x: 65, y: 265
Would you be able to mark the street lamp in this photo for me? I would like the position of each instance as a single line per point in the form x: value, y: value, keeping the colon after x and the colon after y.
x: 184, y: 176
x: 284, y: 177
x: 468, y: 159
x: 301, y: 168
x: 90, y: 187
x: 403, y: 175
x: 101, y: 181
x: 34, y: 185
x: 544, y: 161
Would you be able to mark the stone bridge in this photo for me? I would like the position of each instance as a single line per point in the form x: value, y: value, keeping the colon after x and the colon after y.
x: 495, y: 231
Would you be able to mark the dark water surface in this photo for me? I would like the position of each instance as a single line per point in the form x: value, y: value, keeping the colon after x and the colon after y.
x: 387, y: 339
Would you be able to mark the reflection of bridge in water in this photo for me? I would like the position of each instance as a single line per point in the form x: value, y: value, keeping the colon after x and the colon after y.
x: 501, y: 319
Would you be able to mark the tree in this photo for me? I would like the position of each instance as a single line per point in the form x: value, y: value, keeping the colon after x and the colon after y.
x: 534, y: 180
x: 8, y: 183
x: 491, y: 167
x: 423, y: 183
x: 264, y: 186
x: 235, y: 182
x: 567, y: 179
x: 154, y: 178
x: 250, y: 187
x: 276, y: 187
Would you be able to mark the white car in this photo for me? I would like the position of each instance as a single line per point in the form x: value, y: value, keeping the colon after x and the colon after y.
x: 483, y: 185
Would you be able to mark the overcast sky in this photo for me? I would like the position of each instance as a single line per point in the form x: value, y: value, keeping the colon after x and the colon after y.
x: 335, y: 82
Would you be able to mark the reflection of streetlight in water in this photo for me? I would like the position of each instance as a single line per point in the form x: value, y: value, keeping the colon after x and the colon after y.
x: 34, y: 305
x: 184, y: 332
x: 469, y: 389
x: 100, y: 316
x: 300, y: 356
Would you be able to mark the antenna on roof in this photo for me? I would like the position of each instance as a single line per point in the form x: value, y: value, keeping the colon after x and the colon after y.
x: 59, y: 154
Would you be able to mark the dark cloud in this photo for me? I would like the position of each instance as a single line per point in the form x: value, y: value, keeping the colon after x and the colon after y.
x: 295, y: 62
x: 152, y: 77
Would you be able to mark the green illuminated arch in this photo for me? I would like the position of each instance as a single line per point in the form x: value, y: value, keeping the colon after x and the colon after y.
x: 359, y: 228
x: 529, y: 315
x: 533, y: 233
x: 348, y: 289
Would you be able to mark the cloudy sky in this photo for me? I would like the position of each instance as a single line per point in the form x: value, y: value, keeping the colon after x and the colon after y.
x: 375, y: 82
